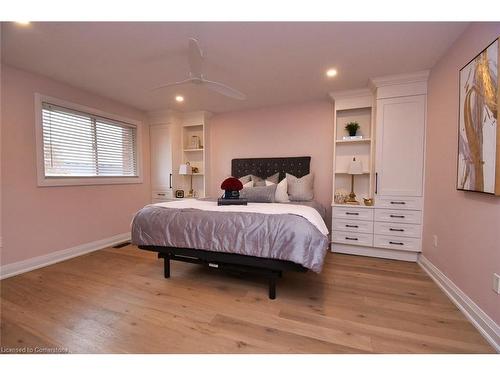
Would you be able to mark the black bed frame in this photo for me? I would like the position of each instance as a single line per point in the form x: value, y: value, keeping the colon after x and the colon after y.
x: 271, y: 269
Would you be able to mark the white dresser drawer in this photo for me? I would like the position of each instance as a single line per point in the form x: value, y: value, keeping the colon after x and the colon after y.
x: 357, y: 226
x: 400, y: 203
x: 398, y: 216
x: 353, y: 213
x: 162, y: 194
x: 398, y: 229
x: 360, y: 239
x: 397, y: 243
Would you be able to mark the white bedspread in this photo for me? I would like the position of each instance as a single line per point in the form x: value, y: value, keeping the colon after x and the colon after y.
x: 308, y: 213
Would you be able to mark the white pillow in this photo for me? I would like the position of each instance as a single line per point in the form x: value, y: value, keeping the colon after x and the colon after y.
x: 248, y: 184
x: 281, y: 195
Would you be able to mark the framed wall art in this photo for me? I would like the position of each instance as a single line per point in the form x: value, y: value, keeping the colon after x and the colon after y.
x: 479, y: 134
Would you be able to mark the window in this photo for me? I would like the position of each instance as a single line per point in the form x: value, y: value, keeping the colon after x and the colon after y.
x: 83, y: 147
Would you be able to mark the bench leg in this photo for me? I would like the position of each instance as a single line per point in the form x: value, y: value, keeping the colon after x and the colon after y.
x: 272, y: 288
x: 166, y: 266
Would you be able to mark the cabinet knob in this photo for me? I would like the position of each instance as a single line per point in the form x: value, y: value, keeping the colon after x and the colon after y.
x: 396, y: 243
x: 351, y: 238
x: 352, y: 213
x: 398, y: 216
x: 396, y: 230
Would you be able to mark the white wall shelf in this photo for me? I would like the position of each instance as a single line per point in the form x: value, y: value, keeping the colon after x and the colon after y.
x: 364, y: 140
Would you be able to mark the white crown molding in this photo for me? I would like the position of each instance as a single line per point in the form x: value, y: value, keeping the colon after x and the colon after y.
x: 163, y: 116
x: 17, y: 268
x: 485, y: 325
x: 335, y: 95
x: 398, y: 79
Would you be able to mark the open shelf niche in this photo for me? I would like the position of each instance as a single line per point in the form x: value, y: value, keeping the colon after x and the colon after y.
x: 195, y: 150
x: 354, y: 105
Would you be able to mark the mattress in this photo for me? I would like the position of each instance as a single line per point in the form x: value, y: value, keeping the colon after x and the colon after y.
x: 291, y: 232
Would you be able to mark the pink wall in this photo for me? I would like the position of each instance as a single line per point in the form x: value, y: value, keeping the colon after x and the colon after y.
x: 41, y: 220
x: 467, y: 224
x: 304, y: 129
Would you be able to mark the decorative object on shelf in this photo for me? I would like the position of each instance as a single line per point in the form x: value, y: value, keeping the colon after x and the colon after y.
x: 355, y: 167
x: 352, y: 127
x: 340, y: 196
x: 179, y: 193
x: 195, y: 170
x: 195, y: 142
x: 479, y: 138
x: 187, y: 170
x: 368, y: 201
x: 231, y: 187
x: 353, y: 138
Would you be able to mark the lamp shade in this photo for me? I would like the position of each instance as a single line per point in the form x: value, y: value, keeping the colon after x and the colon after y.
x: 185, y: 169
x: 355, y: 167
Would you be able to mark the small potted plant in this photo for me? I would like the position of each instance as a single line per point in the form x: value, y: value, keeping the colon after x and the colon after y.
x: 352, y: 128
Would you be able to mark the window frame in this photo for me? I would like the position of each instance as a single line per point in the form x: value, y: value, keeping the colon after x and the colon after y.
x: 44, y: 180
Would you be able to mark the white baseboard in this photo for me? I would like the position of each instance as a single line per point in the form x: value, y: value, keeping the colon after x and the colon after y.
x: 485, y: 325
x: 16, y: 268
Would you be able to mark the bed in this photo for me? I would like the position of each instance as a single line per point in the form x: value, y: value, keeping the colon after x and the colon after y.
x: 266, y: 239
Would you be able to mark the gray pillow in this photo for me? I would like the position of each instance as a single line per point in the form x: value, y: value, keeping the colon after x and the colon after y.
x: 259, y: 194
x: 259, y: 181
x: 300, y: 189
x: 245, y: 179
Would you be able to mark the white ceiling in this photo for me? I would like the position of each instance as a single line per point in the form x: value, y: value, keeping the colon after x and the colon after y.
x: 273, y: 63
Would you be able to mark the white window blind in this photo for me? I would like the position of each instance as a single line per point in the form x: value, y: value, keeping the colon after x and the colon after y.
x: 78, y: 144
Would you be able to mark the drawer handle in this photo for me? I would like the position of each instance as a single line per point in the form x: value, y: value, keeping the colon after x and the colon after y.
x: 161, y: 194
x: 352, y: 213
x: 351, y: 238
x: 398, y: 216
x: 396, y: 230
x: 396, y: 202
x: 351, y: 226
x: 396, y: 243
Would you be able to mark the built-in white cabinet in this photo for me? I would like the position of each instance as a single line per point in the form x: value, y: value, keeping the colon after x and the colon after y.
x: 399, y: 162
x: 161, y: 158
x: 392, y: 227
x: 164, y: 141
x: 175, y: 139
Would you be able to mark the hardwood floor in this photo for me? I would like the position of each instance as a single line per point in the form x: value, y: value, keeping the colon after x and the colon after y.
x: 117, y: 301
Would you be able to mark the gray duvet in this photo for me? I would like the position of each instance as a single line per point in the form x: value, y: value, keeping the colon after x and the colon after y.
x: 277, y: 236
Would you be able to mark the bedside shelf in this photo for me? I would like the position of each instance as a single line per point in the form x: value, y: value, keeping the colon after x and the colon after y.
x: 193, y: 149
x: 364, y: 140
x: 345, y: 172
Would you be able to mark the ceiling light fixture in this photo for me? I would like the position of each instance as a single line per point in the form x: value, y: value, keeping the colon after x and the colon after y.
x: 23, y: 23
x: 331, y: 72
x: 179, y: 98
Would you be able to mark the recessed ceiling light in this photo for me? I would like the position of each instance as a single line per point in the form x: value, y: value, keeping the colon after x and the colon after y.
x: 23, y: 23
x: 331, y: 72
x: 179, y: 98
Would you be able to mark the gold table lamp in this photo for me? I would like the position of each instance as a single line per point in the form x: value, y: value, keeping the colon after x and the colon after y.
x: 355, y: 167
x: 187, y: 170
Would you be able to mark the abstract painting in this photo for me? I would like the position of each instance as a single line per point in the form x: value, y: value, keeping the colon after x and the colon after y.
x: 479, y: 135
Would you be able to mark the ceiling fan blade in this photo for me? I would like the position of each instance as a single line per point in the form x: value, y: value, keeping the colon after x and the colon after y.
x: 195, y: 56
x: 173, y: 84
x: 224, y: 89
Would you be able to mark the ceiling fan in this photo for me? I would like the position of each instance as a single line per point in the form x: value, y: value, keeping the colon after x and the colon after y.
x: 195, y: 57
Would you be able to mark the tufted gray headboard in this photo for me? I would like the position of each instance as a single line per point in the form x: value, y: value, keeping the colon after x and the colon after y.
x: 265, y: 167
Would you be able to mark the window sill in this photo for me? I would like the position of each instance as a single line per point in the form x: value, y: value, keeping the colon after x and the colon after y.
x: 84, y: 181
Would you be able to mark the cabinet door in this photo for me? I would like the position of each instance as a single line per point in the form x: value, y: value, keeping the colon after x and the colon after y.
x: 161, y: 157
x: 400, y: 133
